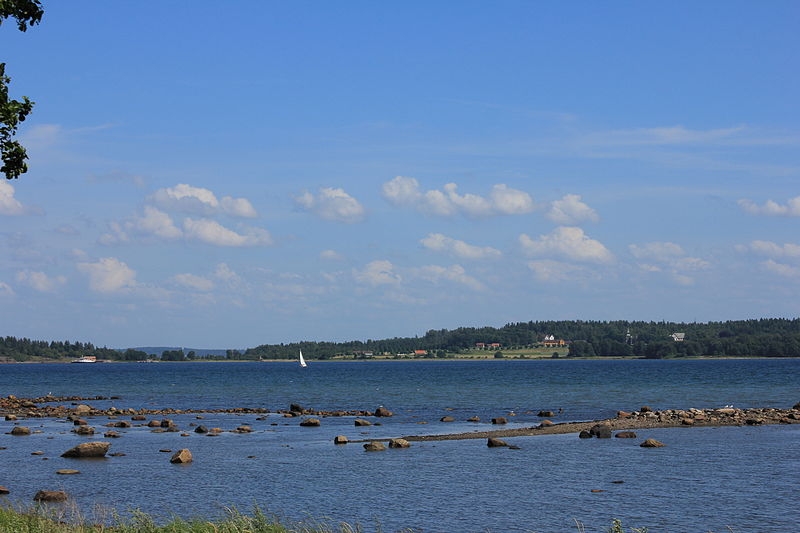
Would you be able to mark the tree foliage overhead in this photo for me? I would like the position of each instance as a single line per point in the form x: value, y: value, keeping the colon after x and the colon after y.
x: 13, y: 112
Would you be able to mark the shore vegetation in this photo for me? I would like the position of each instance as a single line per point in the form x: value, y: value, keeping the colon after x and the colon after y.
x: 43, y: 519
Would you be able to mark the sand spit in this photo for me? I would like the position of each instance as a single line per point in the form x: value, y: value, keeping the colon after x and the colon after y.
x: 643, y: 419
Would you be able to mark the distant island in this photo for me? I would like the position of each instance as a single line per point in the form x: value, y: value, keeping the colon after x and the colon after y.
x: 764, y: 337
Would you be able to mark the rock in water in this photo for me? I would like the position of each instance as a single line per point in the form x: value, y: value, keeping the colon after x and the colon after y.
x: 182, y: 456
x: 50, y: 496
x: 88, y: 449
x: 652, y: 443
x: 374, y: 446
x: 494, y: 442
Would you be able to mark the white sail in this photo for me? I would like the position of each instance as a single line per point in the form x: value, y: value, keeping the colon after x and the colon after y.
x: 302, y: 361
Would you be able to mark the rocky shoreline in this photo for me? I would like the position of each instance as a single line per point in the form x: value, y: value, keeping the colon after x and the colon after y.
x: 73, y: 407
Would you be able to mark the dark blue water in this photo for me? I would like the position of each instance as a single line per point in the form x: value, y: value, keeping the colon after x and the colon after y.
x: 705, y: 479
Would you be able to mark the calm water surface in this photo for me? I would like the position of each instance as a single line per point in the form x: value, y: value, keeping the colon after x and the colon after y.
x: 705, y: 479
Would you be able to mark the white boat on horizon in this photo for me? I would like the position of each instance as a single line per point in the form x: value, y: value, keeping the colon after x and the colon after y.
x: 85, y: 359
x: 302, y: 361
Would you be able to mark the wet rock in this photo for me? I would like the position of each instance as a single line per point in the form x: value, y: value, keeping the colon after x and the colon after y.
x: 652, y: 443
x: 626, y: 435
x: 84, y: 430
x: 340, y: 439
x: 111, y: 434
x: 374, y: 446
x: 4, y: 490
x: 50, y: 496
x: 382, y: 411
x: 494, y: 442
x: 19, y: 431
x: 311, y: 422
x: 359, y: 422
x: 243, y: 429
x: 584, y: 434
x: 623, y: 414
x: 399, y: 443
x: 67, y: 472
x: 88, y: 449
x: 447, y: 419
x: 122, y: 424
x: 646, y: 409
x: 201, y: 429
x: 546, y: 423
x: 182, y: 456
x: 499, y: 420
x: 297, y: 408
x: 11, y: 418
x: 546, y: 414
x: 601, y: 431
x: 80, y: 422
x: 473, y: 419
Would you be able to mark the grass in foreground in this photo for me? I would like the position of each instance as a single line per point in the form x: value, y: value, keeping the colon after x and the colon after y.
x: 47, y: 520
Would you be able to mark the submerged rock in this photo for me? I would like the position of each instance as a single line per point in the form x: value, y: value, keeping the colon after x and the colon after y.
x: 652, y: 443
x: 374, y: 446
x: 50, y: 496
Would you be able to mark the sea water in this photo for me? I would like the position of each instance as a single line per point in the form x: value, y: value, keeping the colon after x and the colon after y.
x: 705, y: 479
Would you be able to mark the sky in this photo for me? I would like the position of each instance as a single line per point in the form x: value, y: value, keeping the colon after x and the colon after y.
x: 226, y: 175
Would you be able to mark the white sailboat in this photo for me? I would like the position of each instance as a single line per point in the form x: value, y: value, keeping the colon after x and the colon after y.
x: 302, y: 361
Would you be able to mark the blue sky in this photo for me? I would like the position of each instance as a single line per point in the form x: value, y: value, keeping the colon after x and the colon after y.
x: 282, y: 171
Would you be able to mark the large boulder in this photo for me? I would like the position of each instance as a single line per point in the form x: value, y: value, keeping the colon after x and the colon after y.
x: 494, y: 442
x: 311, y: 422
x: 182, y: 456
x: 374, y: 446
x: 399, y: 443
x: 88, y: 450
x: 18, y: 431
x: 601, y: 431
x: 340, y: 439
x: 359, y: 422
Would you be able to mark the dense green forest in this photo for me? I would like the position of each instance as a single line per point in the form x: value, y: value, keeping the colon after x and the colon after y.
x: 769, y: 337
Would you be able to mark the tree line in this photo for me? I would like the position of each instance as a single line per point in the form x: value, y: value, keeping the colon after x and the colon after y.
x: 769, y: 337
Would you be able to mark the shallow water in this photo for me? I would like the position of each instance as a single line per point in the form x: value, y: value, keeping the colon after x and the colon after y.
x: 705, y: 479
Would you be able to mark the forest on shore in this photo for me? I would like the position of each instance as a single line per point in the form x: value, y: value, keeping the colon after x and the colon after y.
x: 765, y: 337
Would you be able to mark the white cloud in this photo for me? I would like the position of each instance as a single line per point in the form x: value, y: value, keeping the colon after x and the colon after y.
x: 330, y: 255
x: 184, y: 198
x: 441, y: 243
x: 668, y: 257
x: 502, y: 200
x: 332, y: 204
x: 39, y: 280
x: 212, y: 232
x: 453, y: 273
x: 402, y: 191
x: 158, y: 223
x: 667, y: 135
x: 8, y: 204
x: 5, y: 290
x: 771, y: 208
x: 771, y: 249
x: 550, y: 271
x: 782, y: 269
x: 108, y: 275
x: 569, y: 243
x: 238, y: 207
x: 193, y: 281
x: 380, y: 272
x: 571, y: 210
